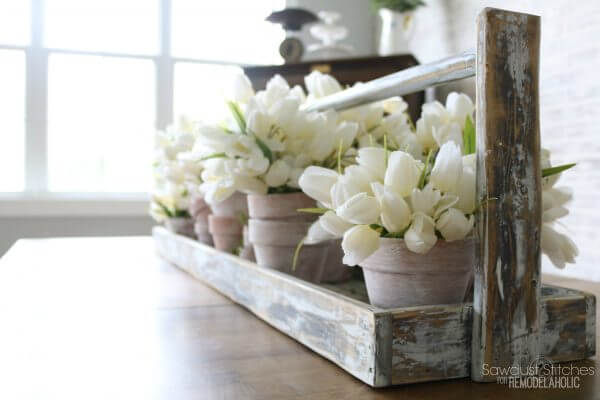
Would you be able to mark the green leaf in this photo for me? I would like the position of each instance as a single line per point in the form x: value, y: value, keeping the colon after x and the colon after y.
x: 313, y: 210
x: 469, y: 137
x: 237, y: 115
x: 423, y: 176
x: 264, y: 148
x: 297, y: 253
x: 339, y: 158
x: 214, y: 155
x: 556, y: 170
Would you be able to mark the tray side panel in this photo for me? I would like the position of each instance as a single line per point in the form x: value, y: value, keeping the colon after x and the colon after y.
x: 434, y: 343
x: 338, y: 328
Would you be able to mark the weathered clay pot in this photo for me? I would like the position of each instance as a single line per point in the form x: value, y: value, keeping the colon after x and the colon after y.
x: 275, y: 243
x: 247, y: 251
x: 181, y: 226
x: 335, y: 270
x: 234, y: 206
x: 200, y: 211
x: 397, y: 277
x: 226, y: 232
x: 281, y: 206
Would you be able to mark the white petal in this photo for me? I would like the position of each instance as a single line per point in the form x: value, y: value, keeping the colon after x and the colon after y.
x: 447, y: 169
x: 359, y: 243
x: 278, y: 174
x: 360, y: 209
x: 425, y: 200
x: 420, y: 237
x: 395, y: 212
x: 373, y: 159
x: 403, y: 173
x: 559, y: 248
x: 453, y: 225
x: 333, y: 224
x: 459, y: 105
x: 451, y: 132
x: 317, y: 234
x: 317, y: 182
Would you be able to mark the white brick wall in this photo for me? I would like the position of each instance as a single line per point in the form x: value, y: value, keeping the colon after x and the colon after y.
x: 569, y: 90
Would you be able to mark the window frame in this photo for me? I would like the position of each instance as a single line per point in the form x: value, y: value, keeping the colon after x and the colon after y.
x: 36, y: 199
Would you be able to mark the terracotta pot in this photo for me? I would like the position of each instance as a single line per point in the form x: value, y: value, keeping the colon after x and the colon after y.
x: 181, y: 226
x: 281, y: 206
x: 397, y: 277
x: 226, y: 232
x: 274, y: 245
x: 198, y: 206
x: 235, y: 205
x: 247, y: 252
x: 335, y: 270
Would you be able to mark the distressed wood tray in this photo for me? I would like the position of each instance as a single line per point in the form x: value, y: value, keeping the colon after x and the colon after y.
x: 381, y: 347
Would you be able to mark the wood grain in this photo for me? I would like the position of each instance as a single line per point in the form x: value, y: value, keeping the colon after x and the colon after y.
x: 380, y: 347
x: 506, y: 323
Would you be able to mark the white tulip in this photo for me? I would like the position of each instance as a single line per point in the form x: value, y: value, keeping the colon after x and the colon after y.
x: 446, y: 201
x: 559, y: 248
x: 454, y: 225
x: 466, y: 188
x: 253, y: 166
x: 359, y: 209
x: 278, y: 174
x: 425, y: 200
x: 276, y: 89
x: 316, y: 234
x: 217, y: 191
x: 251, y: 185
x: 424, y: 134
x: 356, y: 179
x: 359, y: 243
x: 420, y: 237
x: 373, y: 160
x: 317, y: 183
x: 321, y: 85
x: 459, y: 106
x: 395, y: 105
x: 447, y: 169
x: 450, y: 132
x: 242, y: 90
x: 403, y: 173
x: 395, y: 212
x: 333, y: 224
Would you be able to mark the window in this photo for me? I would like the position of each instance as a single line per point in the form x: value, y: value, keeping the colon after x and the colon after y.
x: 86, y: 83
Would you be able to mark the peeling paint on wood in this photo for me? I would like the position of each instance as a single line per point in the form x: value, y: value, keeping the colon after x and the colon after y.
x: 506, y: 323
x: 379, y: 347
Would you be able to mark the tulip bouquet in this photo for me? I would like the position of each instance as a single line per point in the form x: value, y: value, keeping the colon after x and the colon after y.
x: 176, y: 177
x: 421, y: 192
x: 268, y: 142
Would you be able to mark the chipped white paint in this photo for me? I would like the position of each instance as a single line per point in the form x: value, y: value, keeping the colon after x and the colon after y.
x: 499, y: 278
x: 419, y: 343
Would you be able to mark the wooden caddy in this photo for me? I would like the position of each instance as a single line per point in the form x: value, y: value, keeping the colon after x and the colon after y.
x: 513, y: 320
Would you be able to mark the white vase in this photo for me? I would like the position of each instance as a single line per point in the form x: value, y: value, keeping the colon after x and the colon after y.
x: 396, y: 31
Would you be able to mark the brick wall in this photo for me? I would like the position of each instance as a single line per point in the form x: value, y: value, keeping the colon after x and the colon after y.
x: 569, y: 89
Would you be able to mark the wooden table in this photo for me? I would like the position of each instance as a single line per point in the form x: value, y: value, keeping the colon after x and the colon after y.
x: 104, y: 318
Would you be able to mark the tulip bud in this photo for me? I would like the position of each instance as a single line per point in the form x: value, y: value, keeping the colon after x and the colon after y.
x: 447, y: 169
x: 403, y: 173
x: 316, y: 234
x: 359, y: 243
x: 454, y: 225
x: 317, y: 182
x: 278, y: 174
x: 359, y: 209
x: 459, y: 106
x: 395, y: 212
x: 420, y: 237
x: 373, y: 160
x: 333, y: 224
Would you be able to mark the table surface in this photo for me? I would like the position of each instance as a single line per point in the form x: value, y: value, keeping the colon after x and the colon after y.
x: 105, y: 318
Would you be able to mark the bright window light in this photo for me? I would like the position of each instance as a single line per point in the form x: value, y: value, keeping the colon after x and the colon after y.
x: 12, y: 120
x: 200, y: 90
x: 100, y: 123
x: 14, y: 22
x: 115, y: 26
x: 226, y: 30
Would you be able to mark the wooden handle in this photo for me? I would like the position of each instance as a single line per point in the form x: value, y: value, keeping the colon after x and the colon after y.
x: 506, y: 303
